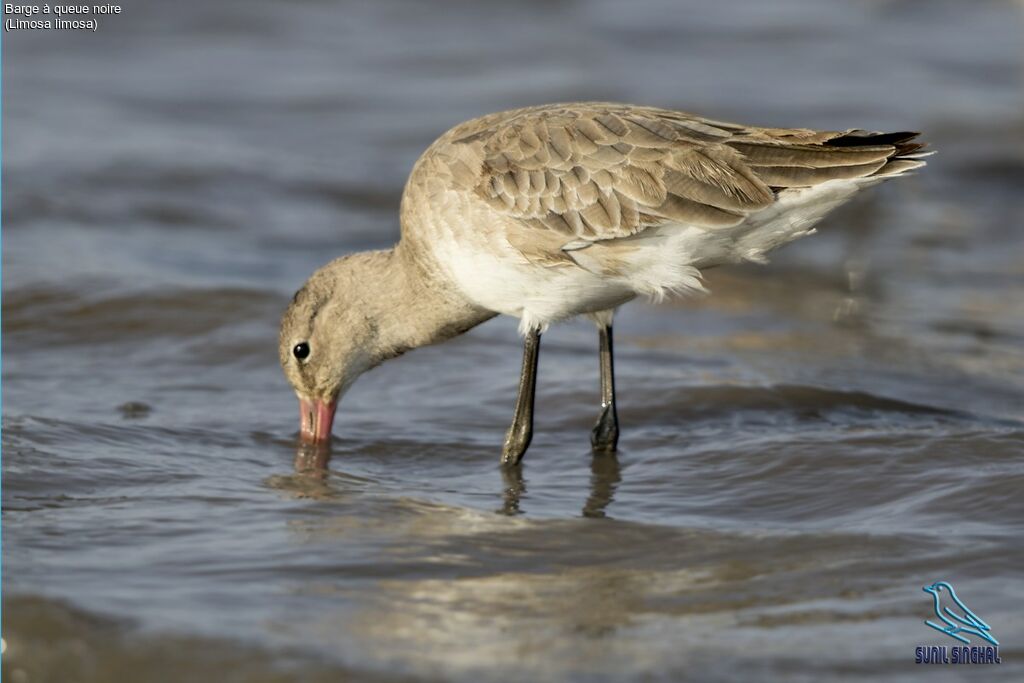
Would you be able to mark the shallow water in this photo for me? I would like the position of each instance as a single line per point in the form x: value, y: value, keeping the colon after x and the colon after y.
x: 802, y: 451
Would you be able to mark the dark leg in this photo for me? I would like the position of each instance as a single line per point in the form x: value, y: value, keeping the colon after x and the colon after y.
x: 517, y: 439
x: 605, y: 435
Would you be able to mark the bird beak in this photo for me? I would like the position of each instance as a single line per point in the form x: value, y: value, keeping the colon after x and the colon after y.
x: 316, y: 418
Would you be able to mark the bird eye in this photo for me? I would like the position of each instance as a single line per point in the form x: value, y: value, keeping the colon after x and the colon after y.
x: 301, y: 350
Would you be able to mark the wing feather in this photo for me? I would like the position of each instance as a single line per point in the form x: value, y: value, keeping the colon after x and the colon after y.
x: 599, y: 171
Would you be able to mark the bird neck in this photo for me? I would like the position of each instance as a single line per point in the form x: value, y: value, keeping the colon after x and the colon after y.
x: 418, y: 306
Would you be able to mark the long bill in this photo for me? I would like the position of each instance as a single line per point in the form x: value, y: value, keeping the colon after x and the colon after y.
x: 316, y: 418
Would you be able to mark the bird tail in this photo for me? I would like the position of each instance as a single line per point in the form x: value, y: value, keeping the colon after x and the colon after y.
x: 908, y: 153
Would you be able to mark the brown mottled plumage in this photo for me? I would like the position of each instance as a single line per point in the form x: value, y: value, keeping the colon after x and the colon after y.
x: 548, y: 212
x: 602, y: 171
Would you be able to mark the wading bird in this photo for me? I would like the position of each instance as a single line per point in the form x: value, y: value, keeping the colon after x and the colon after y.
x: 550, y: 212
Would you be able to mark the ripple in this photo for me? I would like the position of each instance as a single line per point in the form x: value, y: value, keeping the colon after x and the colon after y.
x: 92, y: 315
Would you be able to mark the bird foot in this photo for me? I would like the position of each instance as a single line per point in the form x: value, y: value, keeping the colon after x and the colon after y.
x: 516, y: 443
x: 604, y: 437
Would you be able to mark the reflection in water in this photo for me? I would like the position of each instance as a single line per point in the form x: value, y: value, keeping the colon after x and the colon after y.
x: 311, y: 478
x: 312, y: 459
x: 514, y: 488
x: 599, y: 600
x: 605, y: 475
x: 473, y: 625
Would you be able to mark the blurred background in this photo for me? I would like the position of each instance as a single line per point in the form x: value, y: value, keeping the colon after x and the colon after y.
x: 802, y: 451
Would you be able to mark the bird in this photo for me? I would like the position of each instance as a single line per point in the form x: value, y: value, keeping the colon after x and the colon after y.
x: 956, y: 624
x: 549, y: 212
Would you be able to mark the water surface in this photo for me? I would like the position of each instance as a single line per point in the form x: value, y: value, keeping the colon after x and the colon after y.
x: 802, y: 451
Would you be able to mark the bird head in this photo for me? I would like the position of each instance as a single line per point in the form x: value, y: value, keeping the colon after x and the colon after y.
x: 327, y: 340
x: 937, y: 588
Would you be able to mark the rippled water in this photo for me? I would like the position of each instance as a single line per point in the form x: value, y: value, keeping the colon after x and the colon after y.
x: 802, y: 451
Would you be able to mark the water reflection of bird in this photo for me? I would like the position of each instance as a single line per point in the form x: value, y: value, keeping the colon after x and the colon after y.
x: 312, y: 478
x: 550, y: 212
x: 513, y: 490
x: 957, y: 624
x: 605, y: 476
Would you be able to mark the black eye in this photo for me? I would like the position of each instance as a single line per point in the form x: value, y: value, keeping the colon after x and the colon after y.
x: 301, y: 350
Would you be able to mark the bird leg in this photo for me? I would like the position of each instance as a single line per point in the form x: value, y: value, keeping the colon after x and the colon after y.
x: 517, y: 439
x: 605, y: 436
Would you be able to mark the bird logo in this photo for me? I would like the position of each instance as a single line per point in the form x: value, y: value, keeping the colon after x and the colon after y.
x: 956, y: 625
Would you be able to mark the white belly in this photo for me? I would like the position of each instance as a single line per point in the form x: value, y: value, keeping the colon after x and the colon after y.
x: 499, y: 278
